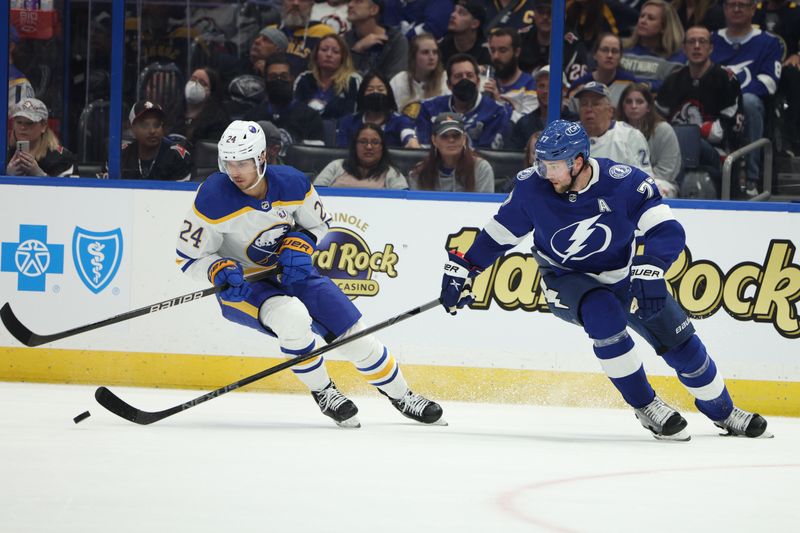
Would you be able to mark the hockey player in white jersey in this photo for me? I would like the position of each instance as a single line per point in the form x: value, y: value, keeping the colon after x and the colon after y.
x: 250, y: 217
x: 585, y: 212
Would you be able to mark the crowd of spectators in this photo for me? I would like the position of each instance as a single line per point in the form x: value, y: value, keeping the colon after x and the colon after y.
x: 454, y: 79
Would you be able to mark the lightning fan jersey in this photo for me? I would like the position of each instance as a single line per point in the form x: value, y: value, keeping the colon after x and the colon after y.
x: 756, y: 59
x: 225, y: 222
x: 590, y: 231
x: 487, y: 123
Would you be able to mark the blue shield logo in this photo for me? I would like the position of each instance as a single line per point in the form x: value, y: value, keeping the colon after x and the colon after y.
x: 97, y: 256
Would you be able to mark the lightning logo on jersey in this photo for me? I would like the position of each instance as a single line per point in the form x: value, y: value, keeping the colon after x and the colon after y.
x: 586, y: 235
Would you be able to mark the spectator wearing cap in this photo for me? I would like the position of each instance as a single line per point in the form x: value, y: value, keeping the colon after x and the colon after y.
x: 151, y: 156
x: 204, y: 117
x: 376, y: 105
x: 611, y: 139
x: 19, y: 88
x: 536, y: 45
x: 368, y: 164
x: 424, y: 78
x: 465, y: 33
x: 607, y: 54
x: 508, y: 85
x: 451, y: 165
x: 303, y: 33
x: 504, y: 13
x: 418, y: 16
x: 536, y: 120
x: 275, y: 142
x: 34, y: 149
x: 300, y: 123
x: 332, y: 13
x: 269, y: 41
x: 374, y: 47
x: 486, y: 122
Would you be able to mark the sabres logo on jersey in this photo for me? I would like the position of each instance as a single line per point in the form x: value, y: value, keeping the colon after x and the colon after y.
x: 581, y: 239
x: 264, y: 249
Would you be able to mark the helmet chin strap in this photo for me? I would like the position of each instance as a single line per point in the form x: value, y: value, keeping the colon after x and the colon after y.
x: 261, y: 170
x: 574, y: 177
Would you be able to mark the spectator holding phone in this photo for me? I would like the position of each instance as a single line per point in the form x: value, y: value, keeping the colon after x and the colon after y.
x: 34, y: 149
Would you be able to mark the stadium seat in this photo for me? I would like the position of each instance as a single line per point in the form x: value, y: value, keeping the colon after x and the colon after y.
x: 405, y: 159
x: 505, y: 164
x: 162, y: 83
x: 689, y: 143
x: 312, y: 159
x: 93, y: 132
x: 204, y: 159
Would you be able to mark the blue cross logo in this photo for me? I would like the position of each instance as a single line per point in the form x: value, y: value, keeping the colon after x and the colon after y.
x: 32, y: 258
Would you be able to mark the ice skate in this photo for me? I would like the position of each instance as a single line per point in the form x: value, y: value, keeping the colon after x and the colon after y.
x: 663, y: 421
x: 741, y: 423
x: 417, y: 407
x: 336, y: 405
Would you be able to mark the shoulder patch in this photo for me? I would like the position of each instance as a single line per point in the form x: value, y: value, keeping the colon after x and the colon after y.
x: 619, y: 171
x: 522, y: 175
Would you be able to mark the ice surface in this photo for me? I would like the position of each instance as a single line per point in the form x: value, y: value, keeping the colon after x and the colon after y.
x: 272, y: 463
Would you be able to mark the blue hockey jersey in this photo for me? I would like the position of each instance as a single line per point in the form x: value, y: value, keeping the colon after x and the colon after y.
x: 591, y: 231
x: 756, y: 59
x: 487, y: 123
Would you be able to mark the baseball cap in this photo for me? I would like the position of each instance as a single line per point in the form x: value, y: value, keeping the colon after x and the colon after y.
x: 475, y: 8
x: 546, y: 70
x: 276, y: 36
x: 444, y: 122
x: 594, y: 87
x: 32, y: 109
x: 271, y: 132
x: 145, y: 106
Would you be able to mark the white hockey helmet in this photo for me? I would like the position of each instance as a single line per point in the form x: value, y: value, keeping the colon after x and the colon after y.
x: 243, y: 140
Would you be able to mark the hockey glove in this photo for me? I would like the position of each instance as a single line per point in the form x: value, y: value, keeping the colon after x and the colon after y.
x: 228, y: 271
x: 295, y: 258
x: 457, y: 283
x: 648, y: 288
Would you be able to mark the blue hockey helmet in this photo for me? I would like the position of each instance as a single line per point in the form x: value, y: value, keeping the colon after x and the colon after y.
x: 562, y: 140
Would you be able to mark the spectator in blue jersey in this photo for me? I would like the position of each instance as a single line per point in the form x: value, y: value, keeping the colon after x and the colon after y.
x: 537, y: 119
x: 424, y: 78
x: 303, y: 33
x: 654, y: 51
x: 374, y: 47
x: 584, y: 216
x: 151, y: 156
x: 486, y: 121
x: 451, y: 164
x: 464, y: 32
x: 41, y: 154
x: 755, y: 56
x: 607, y: 54
x: 295, y: 119
x: 376, y: 105
x: 330, y: 86
x: 509, y: 85
x: 414, y: 17
x: 368, y: 164
x: 19, y: 87
x: 516, y: 14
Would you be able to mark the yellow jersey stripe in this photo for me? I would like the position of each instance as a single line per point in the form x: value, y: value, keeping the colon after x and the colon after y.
x: 235, y: 214
x: 244, y: 307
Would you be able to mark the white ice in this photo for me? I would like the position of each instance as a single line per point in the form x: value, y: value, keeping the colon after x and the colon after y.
x: 272, y: 463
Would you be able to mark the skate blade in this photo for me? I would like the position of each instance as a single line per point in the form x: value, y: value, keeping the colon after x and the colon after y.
x: 440, y: 422
x: 765, y: 435
x: 681, y: 436
x: 350, y: 423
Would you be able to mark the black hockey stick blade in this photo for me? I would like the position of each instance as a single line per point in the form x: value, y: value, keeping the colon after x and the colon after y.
x: 31, y: 339
x: 119, y: 407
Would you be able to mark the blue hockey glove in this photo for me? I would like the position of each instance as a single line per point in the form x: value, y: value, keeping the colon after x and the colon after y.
x: 295, y: 258
x: 648, y: 288
x: 228, y: 271
x: 457, y: 283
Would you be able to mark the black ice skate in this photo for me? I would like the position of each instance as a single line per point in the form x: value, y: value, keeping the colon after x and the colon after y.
x: 663, y: 421
x: 336, y: 405
x: 741, y: 423
x: 417, y: 407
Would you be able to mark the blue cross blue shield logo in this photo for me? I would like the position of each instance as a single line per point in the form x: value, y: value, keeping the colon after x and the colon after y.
x: 32, y: 258
x: 97, y: 256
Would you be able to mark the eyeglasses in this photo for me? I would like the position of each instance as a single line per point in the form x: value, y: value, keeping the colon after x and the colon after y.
x: 738, y: 5
x: 697, y: 42
x: 612, y: 51
x: 369, y: 142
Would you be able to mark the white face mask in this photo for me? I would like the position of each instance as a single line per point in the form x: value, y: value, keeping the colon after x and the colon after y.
x: 195, y: 93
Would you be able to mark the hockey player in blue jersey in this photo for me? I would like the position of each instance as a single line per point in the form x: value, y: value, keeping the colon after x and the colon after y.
x: 585, y: 212
x: 250, y: 216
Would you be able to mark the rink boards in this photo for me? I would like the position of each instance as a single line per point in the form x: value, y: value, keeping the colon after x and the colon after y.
x: 78, y: 251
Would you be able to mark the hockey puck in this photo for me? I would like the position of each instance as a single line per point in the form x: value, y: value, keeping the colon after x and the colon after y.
x: 81, y: 417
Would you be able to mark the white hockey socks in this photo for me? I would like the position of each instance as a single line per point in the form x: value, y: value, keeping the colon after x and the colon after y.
x: 373, y: 360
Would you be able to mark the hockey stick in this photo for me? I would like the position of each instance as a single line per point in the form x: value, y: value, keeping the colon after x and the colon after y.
x: 29, y: 338
x: 116, y: 405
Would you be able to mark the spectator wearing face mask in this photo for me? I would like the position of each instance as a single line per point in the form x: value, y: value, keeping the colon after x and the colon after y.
x: 486, y: 122
x: 204, y: 117
x: 376, y: 105
x: 296, y: 119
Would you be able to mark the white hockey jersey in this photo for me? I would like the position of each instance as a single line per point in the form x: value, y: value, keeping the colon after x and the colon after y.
x: 223, y: 222
x: 624, y: 144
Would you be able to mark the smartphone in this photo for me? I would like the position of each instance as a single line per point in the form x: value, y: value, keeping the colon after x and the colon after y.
x: 23, y: 146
